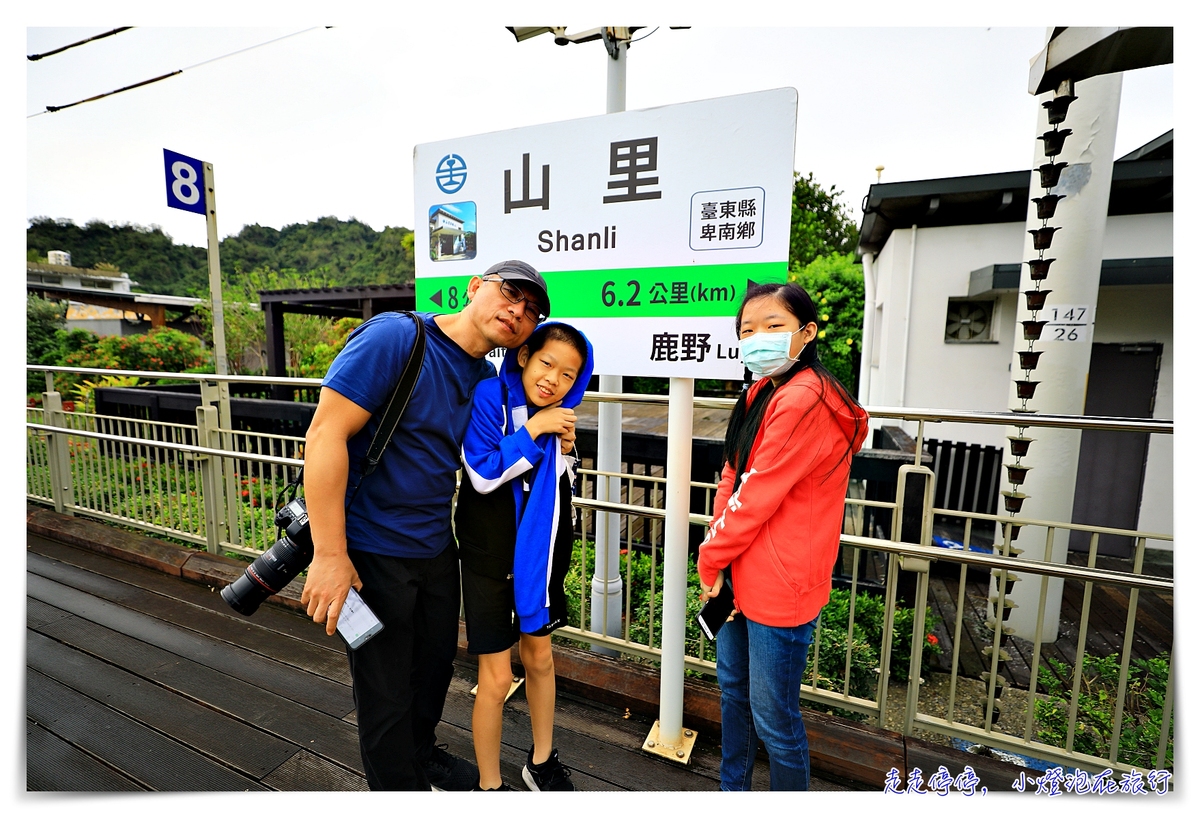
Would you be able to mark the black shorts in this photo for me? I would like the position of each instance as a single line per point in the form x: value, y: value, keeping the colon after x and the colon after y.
x: 490, y: 611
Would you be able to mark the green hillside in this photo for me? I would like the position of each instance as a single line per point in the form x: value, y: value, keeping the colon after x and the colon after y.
x: 346, y: 252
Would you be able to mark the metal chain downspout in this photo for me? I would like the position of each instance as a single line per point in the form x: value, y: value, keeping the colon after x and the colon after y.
x: 1035, y: 299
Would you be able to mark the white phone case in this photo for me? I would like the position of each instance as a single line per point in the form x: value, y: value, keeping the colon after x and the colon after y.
x: 357, y: 623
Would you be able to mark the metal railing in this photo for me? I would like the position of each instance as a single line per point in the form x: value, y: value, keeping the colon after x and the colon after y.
x: 212, y: 486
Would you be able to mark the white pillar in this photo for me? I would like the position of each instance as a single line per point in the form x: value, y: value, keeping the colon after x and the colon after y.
x: 1062, y: 369
x: 607, y: 585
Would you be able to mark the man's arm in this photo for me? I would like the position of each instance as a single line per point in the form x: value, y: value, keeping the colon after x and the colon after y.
x: 326, y: 470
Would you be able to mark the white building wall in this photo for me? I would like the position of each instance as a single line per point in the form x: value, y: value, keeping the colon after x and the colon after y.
x: 977, y: 376
x: 892, y: 273
x: 1147, y: 235
x: 941, y: 375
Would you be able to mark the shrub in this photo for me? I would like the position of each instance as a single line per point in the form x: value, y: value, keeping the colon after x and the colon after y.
x: 162, y: 349
x: 1141, y: 720
x: 85, y: 393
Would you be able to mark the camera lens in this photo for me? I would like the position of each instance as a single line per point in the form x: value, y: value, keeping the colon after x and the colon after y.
x: 277, y: 566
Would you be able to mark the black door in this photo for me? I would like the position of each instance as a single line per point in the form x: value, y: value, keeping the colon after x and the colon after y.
x: 1112, y: 465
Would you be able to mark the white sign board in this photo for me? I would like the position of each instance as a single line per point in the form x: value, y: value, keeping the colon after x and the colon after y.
x: 1067, y: 322
x: 647, y: 225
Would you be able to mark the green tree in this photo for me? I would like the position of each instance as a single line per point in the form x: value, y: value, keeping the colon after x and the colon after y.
x: 820, y: 223
x: 835, y: 283
x: 245, y: 324
x: 44, y: 321
x: 315, y: 361
x: 147, y: 254
x: 349, y: 253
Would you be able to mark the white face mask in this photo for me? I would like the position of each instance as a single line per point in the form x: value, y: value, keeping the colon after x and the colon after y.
x: 766, y: 353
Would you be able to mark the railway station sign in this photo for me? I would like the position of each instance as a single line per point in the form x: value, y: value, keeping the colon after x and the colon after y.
x: 647, y: 225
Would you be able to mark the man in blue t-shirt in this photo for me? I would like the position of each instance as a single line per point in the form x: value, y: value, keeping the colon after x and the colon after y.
x: 394, y: 542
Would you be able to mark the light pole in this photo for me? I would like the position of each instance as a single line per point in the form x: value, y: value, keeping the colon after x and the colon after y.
x: 607, y: 586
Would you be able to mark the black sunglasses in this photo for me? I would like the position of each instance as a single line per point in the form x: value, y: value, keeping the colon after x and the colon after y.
x: 533, y: 310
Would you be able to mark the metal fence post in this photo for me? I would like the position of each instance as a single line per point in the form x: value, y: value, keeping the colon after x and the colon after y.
x: 59, y: 455
x: 208, y: 434
x: 913, y: 523
x: 218, y: 394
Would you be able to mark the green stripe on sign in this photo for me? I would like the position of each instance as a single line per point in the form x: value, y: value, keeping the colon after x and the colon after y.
x: 693, y: 290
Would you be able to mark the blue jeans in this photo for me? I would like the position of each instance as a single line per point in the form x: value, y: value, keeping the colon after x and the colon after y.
x: 759, y: 669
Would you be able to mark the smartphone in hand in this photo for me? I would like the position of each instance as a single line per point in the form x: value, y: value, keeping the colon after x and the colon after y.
x: 716, y: 611
x: 357, y: 623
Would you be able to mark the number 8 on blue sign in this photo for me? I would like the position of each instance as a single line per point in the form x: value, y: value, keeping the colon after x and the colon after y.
x: 185, y: 181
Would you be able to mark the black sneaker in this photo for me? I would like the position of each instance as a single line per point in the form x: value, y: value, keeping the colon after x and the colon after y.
x: 502, y: 788
x: 449, y: 773
x: 547, y: 776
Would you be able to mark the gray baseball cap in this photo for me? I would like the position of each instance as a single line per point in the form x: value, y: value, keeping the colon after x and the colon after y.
x: 523, y: 272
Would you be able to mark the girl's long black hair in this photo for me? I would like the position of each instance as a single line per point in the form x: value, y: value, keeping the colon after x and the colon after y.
x: 745, y: 421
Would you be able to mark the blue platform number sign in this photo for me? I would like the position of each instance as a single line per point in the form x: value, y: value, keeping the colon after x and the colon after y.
x: 185, y: 181
x: 451, y: 173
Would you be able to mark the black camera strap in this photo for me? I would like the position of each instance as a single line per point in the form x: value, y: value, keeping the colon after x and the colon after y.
x: 396, y: 405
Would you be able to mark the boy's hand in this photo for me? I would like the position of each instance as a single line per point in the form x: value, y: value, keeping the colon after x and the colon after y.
x: 552, y: 420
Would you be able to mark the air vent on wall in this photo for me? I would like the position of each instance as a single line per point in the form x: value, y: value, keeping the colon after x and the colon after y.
x: 969, y: 321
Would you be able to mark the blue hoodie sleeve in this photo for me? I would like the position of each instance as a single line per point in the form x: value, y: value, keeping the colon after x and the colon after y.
x: 492, y: 455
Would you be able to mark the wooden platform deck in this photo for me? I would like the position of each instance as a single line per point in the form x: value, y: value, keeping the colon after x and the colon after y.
x: 137, y: 680
x: 1153, y: 629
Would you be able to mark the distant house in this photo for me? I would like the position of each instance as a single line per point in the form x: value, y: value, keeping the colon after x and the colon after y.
x: 101, y: 301
x: 947, y: 259
x: 446, y: 237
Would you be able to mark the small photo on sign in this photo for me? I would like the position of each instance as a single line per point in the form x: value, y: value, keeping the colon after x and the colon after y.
x: 727, y: 219
x: 452, y: 231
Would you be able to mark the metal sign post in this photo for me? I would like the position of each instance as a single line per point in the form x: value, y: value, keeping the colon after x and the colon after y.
x: 667, y: 736
x: 214, y: 271
x: 190, y: 187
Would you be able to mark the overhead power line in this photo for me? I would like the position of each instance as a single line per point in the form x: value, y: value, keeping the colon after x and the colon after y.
x: 644, y: 36
x: 50, y: 109
x: 81, y: 42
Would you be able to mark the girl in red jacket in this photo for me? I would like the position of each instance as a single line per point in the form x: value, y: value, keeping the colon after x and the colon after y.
x: 777, y: 522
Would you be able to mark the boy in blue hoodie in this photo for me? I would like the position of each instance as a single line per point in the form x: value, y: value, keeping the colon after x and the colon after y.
x: 514, y: 524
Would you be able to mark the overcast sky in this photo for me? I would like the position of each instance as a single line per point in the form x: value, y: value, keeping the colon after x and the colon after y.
x: 323, y: 123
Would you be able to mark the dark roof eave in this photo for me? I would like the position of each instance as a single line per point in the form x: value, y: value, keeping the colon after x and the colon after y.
x: 969, y: 193
x: 948, y: 185
x: 325, y: 295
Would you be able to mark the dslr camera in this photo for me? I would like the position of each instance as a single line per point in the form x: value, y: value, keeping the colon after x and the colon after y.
x: 278, y: 565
